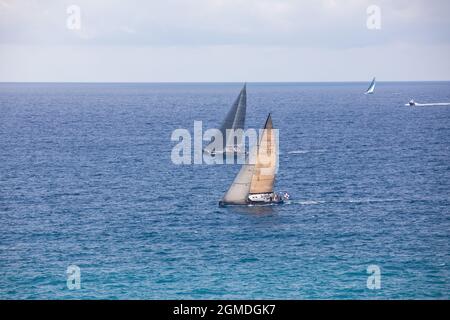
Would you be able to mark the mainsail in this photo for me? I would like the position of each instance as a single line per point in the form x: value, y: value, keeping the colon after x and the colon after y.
x: 266, y: 161
x: 235, y: 119
x: 257, y: 175
x: 371, y: 88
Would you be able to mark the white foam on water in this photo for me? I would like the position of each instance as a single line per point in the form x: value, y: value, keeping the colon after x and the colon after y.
x: 366, y: 200
x: 304, y: 203
x: 316, y: 202
x: 306, y: 151
x: 437, y: 104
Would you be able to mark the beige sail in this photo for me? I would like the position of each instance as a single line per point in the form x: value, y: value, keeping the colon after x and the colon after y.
x: 266, y: 161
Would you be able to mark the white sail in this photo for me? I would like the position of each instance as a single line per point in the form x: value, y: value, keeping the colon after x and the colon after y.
x: 239, y: 190
x: 371, y: 88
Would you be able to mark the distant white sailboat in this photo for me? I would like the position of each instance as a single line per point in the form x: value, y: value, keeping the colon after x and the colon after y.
x: 371, y: 88
x: 254, y: 183
x: 234, y: 120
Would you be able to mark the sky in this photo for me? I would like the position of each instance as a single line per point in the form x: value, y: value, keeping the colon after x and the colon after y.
x: 224, y: 40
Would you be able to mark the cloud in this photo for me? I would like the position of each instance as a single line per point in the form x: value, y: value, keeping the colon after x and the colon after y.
x: 311, y: 23
x: 224, y: 40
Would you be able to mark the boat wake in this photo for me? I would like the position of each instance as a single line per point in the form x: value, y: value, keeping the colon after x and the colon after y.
x: 366, y: 200
x: 343, y: 201
x: 306, y: 151
x: 437, y: 104
x: 304, y: 203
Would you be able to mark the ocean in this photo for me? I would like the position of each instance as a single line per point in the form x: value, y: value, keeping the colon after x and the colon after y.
x: 86, y: 179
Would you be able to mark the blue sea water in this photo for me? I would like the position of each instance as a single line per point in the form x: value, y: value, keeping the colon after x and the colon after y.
x: 86, y: 178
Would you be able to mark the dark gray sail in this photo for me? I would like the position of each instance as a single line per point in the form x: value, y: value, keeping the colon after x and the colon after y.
x: 235, y: 118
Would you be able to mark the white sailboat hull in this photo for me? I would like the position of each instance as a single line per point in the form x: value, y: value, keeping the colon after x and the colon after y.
x: 229, y: 150
x: 251, y: 203
x: 265, y: 198
x: 271, y: 198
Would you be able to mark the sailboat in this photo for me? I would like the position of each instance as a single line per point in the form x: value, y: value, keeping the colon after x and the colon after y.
x: 234, y: 120
x: 254, y: 183
x: 371, y: 88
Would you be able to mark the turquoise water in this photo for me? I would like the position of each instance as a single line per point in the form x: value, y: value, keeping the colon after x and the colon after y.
x: 86, y: 179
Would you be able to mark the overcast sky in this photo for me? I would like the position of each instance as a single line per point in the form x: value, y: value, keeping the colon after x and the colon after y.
x: 224, y: 40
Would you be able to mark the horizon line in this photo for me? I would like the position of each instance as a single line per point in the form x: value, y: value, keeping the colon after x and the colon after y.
x: 217, y: 82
